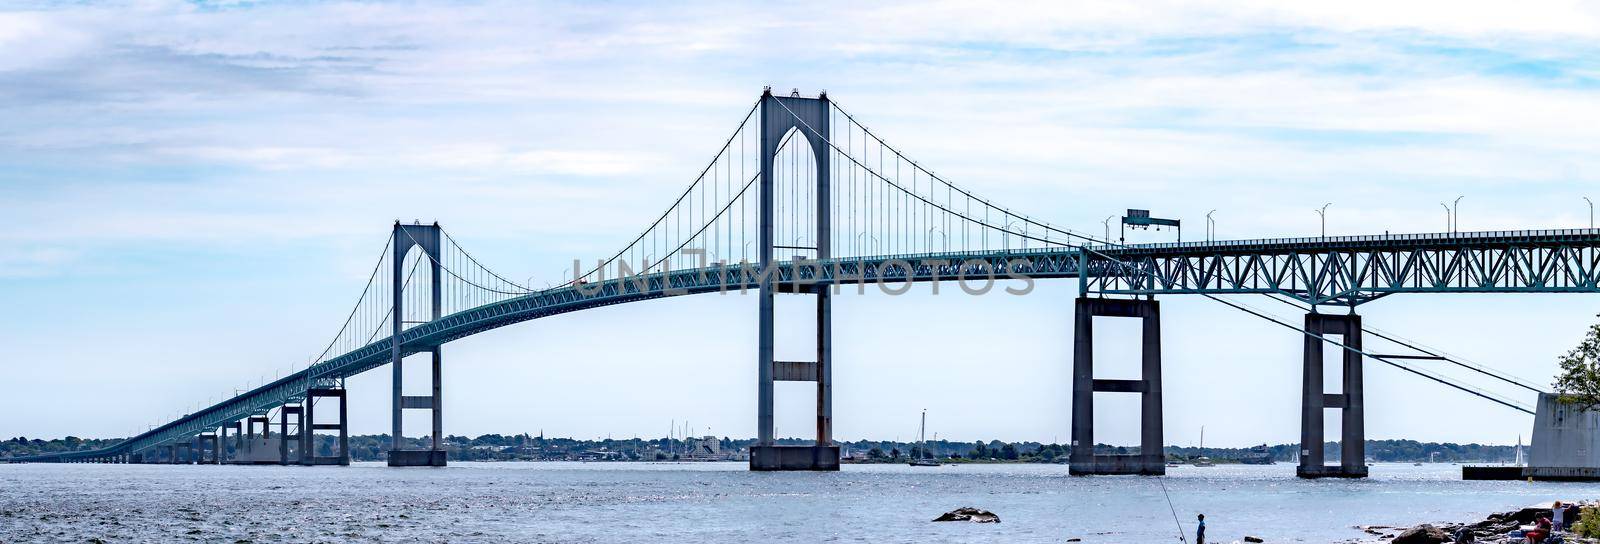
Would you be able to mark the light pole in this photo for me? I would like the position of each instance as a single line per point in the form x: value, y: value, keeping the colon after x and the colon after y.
x: 1448, y: 224
x: 941, y: 233
x: 1323, y: 214
x: 1107, y: 223
x: 1456, y: 211
x: 1591, y: 211
x: 1210, y: 226
x: 1006, y: 241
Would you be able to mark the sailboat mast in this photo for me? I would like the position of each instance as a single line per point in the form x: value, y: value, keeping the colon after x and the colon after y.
x: 922, y: 436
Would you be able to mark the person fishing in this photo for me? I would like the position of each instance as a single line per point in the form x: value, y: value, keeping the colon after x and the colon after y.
x: 1200, y: 531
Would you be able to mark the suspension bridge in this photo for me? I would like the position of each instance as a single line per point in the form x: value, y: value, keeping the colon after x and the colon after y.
x: 804, y: 200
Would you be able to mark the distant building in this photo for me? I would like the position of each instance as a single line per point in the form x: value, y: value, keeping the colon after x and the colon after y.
x: 707, y: 448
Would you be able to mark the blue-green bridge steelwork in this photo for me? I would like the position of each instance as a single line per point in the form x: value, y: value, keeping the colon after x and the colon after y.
x: 803, y: 200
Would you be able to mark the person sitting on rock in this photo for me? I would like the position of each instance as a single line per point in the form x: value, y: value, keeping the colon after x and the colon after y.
x: 1540, y: 530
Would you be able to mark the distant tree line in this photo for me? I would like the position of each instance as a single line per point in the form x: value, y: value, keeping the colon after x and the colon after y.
x: 498, y: 447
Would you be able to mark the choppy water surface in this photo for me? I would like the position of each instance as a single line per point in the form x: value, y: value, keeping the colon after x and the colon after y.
x: 633, y: 502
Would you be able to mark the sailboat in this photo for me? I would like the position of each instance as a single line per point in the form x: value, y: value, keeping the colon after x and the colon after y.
x: 1202, y: 460
x: 1518, y: 461
x: 922, y: 459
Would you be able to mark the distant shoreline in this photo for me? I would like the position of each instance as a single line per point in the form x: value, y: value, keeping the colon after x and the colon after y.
x: 534, y: 448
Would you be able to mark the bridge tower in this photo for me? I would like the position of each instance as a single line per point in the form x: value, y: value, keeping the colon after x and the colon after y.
x: 1315, y: 400
x: 427, y: 239
x: 809, y: 118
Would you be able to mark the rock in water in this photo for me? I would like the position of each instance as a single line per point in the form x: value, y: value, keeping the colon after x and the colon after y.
x: 969, y: 514
x: 1422, y: 534
x: 1253, y: 539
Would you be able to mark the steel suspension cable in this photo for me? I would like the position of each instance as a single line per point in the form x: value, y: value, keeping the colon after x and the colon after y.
x: 905, y: 193
x: 1471, y: 390
x: 1513, y: 380
x: 737, y: 133
x: 1023, y: 217
x: 474, y: 261
x: 370, y: 279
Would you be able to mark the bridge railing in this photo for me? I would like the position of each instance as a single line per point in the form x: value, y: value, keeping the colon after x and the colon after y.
x: 1439, y: 236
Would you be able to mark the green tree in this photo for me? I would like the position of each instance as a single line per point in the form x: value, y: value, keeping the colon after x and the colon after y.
x: 1579, y: 380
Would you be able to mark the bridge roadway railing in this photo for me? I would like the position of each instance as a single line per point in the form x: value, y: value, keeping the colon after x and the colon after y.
x: 1314, y: 269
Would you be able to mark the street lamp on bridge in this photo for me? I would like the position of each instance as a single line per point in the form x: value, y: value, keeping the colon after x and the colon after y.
x: 1211, y: 226
x: 1456, y: 211
x: 1107, y: 223
x: 1591, y: 211
x: 1449, y: 223
x: 1323, y: 214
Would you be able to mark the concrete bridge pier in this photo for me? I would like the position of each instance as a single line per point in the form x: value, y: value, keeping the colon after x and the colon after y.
x: 309, y: 437
x: 434, y: 455
x: 204, y: 441
x: 1151, y: 459
x: 809, y: 118
x: 1315, y: 400
x: 238, y: 441
x: 283, y: 431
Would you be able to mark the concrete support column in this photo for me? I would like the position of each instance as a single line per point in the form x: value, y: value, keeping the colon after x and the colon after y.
x: 434, y: 454
x: 765, y: 330
x: 343, y: 455
x: 1151, y: 458
x: 1349, y: 401
x: 298, y: 436
x: 238, y: 441
x: 824, y: 367
x: 216, y: 444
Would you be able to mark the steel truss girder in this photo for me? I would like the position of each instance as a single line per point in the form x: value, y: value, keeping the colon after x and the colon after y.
x: 1354, y: 273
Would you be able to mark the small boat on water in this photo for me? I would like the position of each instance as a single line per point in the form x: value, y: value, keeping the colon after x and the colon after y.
x: 922, y: 458
x: 1202, y: 460
x: 1258, y: 455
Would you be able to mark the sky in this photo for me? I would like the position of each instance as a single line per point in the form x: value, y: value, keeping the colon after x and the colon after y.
x: 194, y: 193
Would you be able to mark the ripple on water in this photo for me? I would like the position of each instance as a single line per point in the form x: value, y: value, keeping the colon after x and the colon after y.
x: 630, y: 502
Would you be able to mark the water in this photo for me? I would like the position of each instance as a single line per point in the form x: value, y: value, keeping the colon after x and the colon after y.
x: 633, y: 502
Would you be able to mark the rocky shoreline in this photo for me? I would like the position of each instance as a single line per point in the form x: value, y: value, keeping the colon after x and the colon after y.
x: 1493, y: 529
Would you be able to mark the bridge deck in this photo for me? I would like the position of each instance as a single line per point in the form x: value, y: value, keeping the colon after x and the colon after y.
x: 1336, y: 269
